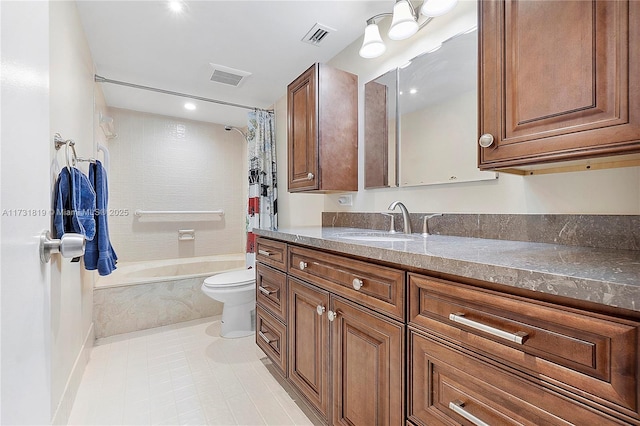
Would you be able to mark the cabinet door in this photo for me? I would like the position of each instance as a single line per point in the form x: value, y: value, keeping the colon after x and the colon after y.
x: 559, y: 80
x: 309, y: 343
x: 302, y: 132
x: 367, y: 363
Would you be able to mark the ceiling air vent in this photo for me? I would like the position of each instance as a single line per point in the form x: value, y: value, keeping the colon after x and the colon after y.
x: 228, y: 76
x: 317, y: 34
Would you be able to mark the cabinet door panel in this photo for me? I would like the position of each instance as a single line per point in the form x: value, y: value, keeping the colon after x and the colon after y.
x: 559, y: 80
x: 367, y: 367
x: 309, y: 343
x: 302, y: 132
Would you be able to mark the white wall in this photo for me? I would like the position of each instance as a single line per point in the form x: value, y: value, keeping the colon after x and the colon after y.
x: 71, y: 114
x: 613, y: 191
x: 167, y: 163
x: 25, y: 373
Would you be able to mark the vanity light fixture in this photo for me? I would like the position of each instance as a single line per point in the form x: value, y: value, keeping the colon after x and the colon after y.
x: 404, y: 24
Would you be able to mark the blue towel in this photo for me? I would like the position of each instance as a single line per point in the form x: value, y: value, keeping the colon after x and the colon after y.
x: 99, y: 253
x: 74, y: 204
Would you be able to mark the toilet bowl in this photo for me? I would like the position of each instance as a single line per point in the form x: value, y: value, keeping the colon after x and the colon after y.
x: 237, y: 290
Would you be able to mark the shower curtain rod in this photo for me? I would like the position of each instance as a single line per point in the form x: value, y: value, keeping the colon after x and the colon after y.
x: 100, y: 79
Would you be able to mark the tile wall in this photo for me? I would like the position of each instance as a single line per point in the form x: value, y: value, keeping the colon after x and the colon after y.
x: 166, y: 163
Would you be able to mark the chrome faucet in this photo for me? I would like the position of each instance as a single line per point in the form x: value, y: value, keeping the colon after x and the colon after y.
x: 425, y: 224
x: 405, y: 215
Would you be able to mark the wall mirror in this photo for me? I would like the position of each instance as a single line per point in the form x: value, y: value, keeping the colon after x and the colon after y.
x: 432, y: 123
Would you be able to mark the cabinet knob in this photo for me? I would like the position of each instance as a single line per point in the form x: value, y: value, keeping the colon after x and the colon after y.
x: 310, y: 176
x: 357, y: 283
x: 303, y: 265
x: 320, y: 309
x: 486, y: 140
x: 333, y: 315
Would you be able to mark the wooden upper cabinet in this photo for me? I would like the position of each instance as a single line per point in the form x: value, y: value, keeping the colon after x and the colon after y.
x: 322, y: 130
x: 559, y: 80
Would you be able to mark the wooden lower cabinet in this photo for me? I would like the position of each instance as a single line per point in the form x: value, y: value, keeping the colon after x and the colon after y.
x: 449, y: 386
x: 453, y: 354
x: 368, y: 365
x: 332, y: 340
x: 309, y: 344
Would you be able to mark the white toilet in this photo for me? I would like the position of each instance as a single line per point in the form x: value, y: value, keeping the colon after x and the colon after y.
x: 237, y: 290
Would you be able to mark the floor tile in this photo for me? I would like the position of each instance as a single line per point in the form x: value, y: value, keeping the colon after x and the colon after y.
x: 182, y: 374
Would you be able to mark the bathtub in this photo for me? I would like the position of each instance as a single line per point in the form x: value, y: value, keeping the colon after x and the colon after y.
x: 142, y: 295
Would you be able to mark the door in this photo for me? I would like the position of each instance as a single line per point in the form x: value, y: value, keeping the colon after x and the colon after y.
x: 309, y: 343
x: 367, y: 364
x: 302, y: 137
x: 25, y: 205
x: 558, y: 80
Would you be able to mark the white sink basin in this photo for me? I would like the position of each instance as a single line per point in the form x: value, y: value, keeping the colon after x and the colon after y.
x: 374, y: 236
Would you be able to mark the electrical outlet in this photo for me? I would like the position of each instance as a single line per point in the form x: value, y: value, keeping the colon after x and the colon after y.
x: 345, y: 200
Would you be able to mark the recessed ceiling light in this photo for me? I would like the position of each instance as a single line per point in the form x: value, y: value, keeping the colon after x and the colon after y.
x: 175, y: 6
x: 413, y: 91
x: 189, y: 106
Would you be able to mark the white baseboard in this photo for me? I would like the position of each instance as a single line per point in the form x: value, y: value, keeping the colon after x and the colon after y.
x: 63, y: 410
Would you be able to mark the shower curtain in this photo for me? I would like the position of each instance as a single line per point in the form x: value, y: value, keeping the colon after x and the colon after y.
x: 262, y: 211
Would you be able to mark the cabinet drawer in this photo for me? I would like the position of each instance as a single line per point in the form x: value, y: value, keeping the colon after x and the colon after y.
x: 375, y: 286
x: 271, y: 337
x: 272, y: 253
x: 271, y: 291
x: 449, y: 387
x: 593, y: 356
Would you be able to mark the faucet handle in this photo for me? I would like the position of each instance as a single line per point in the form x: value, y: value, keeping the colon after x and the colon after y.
x: 392, y: 228
x: 425, y: 224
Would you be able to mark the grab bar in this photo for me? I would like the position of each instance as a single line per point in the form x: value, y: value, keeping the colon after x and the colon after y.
x: 186, y: 212
x: 178, y: 215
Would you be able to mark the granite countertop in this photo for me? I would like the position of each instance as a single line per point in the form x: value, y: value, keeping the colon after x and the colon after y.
x: 605, y: 276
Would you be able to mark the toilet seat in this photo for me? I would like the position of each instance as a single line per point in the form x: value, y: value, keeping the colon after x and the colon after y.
x: 231, y: 279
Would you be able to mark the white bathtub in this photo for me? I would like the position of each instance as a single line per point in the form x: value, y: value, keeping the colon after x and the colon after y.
x: 142, y: 295
x: 153, y: 271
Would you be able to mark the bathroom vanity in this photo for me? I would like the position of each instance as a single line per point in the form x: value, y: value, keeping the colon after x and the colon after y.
x: 395, y: 329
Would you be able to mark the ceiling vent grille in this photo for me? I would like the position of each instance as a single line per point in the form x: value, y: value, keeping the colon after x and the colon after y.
x: 317, y: 34
x: 228, y: 76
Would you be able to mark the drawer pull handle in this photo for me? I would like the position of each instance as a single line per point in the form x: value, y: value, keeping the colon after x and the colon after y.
x: 519, y: 337
x: 264, y: 253
x: 357, y: 283
x: 310, y: 176
x: 265, y: 338
x: 267, y: 290
x: 303, y: 265
x: 333, y: 315
x: 320, y: 309
x: 457, y: 407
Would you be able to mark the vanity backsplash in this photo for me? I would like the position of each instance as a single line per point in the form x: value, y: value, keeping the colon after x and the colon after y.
x: 620, y: 232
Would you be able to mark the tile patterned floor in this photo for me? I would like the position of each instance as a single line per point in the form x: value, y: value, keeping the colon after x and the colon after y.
x: 183, y: 374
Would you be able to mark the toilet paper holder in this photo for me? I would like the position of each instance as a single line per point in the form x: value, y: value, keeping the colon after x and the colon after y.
x: 69, y: 245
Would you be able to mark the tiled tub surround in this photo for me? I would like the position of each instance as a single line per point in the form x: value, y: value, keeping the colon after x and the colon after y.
x: 620, y: 232
x: 142, y: 295
x: 604, y: 276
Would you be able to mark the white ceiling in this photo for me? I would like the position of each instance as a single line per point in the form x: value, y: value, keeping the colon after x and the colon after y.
x: 144, y: 43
